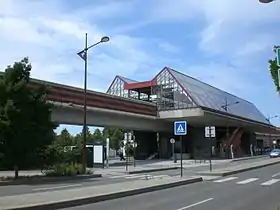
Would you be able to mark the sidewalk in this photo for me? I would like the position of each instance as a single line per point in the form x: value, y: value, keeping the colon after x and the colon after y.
x: 240, y: 168
x: 155, y: 166
x: 143, y: 167
x: 85, y: 195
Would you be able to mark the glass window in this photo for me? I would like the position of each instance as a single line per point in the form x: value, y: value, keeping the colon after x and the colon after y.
x: 170, y: 95
x: 117, y: 89
x: 210, y: 97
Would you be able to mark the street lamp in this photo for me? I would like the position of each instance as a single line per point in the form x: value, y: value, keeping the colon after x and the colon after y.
x: 268, y: 119
x: 225, y: 107
x: 271, y: 117
x: 83, y: 55
x: 266, y: 1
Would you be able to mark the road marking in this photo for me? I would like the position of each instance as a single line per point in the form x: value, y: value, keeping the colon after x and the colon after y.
x: 137, y: 176
x: 161, y: 176
x: 226, y: 179
x: 274, y: 175
x: 57, y: 187
x: 246, y: 181
x: 125, y: 176
x: 195, y: 204
x: 270, y: 182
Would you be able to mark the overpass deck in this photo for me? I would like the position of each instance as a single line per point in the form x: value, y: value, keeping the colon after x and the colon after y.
x: 72, y: 95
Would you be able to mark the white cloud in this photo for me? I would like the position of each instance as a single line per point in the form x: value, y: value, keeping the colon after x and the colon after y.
x: 226, y: 22
x: 234, y: 11
x: 168, y: 47
x: 235, y: 35
x: 52, y: 38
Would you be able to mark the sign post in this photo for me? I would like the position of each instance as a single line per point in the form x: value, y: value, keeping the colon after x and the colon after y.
x: 278, y: 56
x: 180, y: 129
x: 278, y: 63
x: 279, y: 77
x: 210, y: 132
x: 125, y: 149
x: 107, y: 151
x: 134, y: 152
x: 172, y: 141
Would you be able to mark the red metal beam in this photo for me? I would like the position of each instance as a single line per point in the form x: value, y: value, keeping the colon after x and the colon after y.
x: 139, y: 85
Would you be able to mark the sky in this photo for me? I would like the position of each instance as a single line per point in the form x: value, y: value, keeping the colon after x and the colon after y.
x: 226, y: 43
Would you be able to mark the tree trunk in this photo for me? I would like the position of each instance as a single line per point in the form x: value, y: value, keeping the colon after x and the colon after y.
x: 16, y: 171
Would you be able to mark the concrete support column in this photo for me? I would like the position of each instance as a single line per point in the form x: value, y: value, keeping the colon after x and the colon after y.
x: 158, y: 145
x: 164, y: 142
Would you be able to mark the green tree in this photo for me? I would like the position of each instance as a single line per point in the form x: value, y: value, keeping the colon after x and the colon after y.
x: 273, y: 68
x: 65, y: 138
x: 79, y: 138
x: 25, y: 116
x: 115, y: 135
x: 97, y: 135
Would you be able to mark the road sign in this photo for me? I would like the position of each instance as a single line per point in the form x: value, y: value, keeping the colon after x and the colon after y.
x: 210, y: 131
x: 278, y: 56
x: 180, y: 128
x: 172, y: 141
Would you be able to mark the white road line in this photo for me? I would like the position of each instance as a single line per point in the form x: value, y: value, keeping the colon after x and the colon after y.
x: 57, y: 187
x: 125, y: 176
x: 270, y: 182
x: 246, y: 181
x: 136, y: 176
x: 195, y: 204
x: 160, y: 176
x: 226, y: 179
x: 274, y: 175
x: 164, y: 175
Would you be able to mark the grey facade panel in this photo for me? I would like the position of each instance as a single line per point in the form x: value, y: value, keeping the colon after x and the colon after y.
x: 213, y: 98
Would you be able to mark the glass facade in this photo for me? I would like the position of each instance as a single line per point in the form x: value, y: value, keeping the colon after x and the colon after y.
x: 169, y: 94
x: 210, y: 97
x: 175, y: 90
x: 117, y: 88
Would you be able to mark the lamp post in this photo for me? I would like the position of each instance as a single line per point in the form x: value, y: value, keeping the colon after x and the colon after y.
x: 268, y: 119
x: 83, y: 55
x: 225, y: 107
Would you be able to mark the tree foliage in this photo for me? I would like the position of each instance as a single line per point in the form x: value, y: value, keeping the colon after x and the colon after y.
x: 64, y: 138
x: 114, y: 134
x: 273, y: 68
x: 25, y: 115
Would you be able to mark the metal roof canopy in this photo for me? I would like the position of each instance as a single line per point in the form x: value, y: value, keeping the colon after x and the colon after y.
x: 209, y: 97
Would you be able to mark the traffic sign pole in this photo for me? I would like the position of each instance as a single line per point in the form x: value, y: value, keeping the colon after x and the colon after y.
x: 173, y: 152
x: 279, y: 77
x: 278, y: 64
x: 172, y: 141
x: 181, y: 142
x: 210, y: 153
x: 180, y: 129
x: 210, y: 132
x: 278, y: 56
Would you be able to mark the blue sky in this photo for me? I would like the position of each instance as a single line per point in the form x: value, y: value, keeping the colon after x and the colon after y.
x: 225, y: 43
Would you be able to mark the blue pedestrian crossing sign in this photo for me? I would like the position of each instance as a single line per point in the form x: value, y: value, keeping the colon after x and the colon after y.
x: 180, y: 128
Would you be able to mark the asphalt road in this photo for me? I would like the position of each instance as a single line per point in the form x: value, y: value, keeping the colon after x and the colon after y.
x: 253, y: 190
x: 34, y: 188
